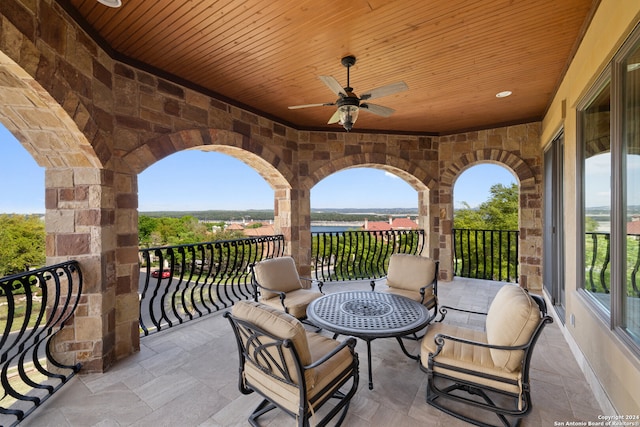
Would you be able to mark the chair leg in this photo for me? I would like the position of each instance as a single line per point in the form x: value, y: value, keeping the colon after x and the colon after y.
x: 433, y: 394
x: 264, y: 407
x: 341, y: 396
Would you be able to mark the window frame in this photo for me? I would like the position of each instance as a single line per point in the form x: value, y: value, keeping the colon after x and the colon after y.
x: 596, y: 89
x: 614, y: 74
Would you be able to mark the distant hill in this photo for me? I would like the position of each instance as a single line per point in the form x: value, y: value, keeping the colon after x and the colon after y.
x: 325, y: 214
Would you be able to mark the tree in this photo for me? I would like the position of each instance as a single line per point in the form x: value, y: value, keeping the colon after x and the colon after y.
x: 22, y: 243
x: 484, y: 243
x: 187, y: 229
x: 500, y: 212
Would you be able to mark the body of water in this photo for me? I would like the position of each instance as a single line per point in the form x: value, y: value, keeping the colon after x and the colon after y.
x: 331, y: 228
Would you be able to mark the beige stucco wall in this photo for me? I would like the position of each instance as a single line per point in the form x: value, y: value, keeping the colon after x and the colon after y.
x: 616, y: 368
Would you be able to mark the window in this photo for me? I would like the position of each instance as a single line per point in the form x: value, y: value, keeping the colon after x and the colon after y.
x: 596, y: 149
x: 609, y: 126
x: 630, y: 295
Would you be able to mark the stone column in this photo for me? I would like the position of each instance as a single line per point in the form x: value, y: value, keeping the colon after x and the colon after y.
x: 127, y: 302
x: 80, y: 225
x: 301, y: 217
x: 293, y: 220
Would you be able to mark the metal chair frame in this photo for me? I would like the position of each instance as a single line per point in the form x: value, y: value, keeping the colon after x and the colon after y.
x: 522, y: 402
x: 422, y: 290
x: 269, y: 352
x: 282, y: 295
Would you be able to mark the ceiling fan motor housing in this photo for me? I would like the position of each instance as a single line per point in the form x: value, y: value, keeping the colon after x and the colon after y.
x: 349, y: 103
x: 348, y: 61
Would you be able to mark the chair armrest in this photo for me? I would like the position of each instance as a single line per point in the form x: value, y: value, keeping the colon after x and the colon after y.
x: 307, y: 282
x: 445, y: 309
x: 281, y: 294
x: 350, y: 342
x: 439, y: 340
x: 275, y: 291
x: 423, y: 290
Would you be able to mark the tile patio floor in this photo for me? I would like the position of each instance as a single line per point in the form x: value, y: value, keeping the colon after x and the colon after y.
x: 187, y: 376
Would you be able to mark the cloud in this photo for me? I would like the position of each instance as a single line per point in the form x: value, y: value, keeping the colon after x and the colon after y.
x: 390, y: 175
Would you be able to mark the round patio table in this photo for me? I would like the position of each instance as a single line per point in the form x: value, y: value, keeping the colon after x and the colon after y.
x: 369, y: 315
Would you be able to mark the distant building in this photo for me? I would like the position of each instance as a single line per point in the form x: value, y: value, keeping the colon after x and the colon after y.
x: 633, y: 227
x: 265, y: 230
x: 392, y: 224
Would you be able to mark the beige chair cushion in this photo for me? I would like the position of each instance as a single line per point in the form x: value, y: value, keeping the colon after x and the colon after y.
x: 277, y: 273
x: 309, y: 345
x: 296, y: 302
x: 511, y: 320
x: 411, y: 272
x: 471, y: 357
x: 277, y: 323
x: 429, y: 301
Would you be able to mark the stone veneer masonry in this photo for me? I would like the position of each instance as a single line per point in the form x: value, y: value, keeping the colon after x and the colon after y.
x: 96, y: 123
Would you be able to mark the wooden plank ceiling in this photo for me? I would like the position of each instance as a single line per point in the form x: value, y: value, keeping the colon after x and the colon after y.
x: 454, y: 55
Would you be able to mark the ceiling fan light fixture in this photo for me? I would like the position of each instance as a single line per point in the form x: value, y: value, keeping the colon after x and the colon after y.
x: 348, y: 116
x: 111, y: 3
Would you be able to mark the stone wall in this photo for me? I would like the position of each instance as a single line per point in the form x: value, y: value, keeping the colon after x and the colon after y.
x: 96, y: 123
x: 516, y: 148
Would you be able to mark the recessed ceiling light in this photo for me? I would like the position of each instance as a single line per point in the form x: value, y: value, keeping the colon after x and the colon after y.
x: 503, y: 94
x: 111, y: 3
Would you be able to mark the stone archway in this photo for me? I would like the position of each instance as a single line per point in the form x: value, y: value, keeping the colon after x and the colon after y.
x: 530, y: 204
x: 417, y: 177
x: 267, y: 164
x: 80, y: 208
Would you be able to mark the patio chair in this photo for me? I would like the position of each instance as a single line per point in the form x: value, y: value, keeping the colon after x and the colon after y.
x: 414, y: 277
x: 486, y: 370
x: 293, y: 369
x: 278, y: 284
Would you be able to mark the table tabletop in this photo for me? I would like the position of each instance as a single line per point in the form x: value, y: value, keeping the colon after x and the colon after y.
x: 368, y: 314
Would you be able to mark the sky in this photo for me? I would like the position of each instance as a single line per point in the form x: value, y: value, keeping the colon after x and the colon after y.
x: 197, y: 180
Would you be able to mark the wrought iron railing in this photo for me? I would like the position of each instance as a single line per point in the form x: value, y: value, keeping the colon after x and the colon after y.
x: 185, y: 282
x: 598, y: 255
x: 486, y: 254
x: 355, y: 255
x: 34, y: 307
x: 598, y: 258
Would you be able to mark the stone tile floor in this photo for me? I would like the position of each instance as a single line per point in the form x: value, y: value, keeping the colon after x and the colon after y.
x: 187, y: 376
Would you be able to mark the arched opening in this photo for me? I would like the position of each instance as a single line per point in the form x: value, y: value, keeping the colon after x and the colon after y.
x: 77, y: 202
x: 220, y: 190
x: 206, y: 213
x: 486, y: 223
x: 361, y: 215
x: 22, y: 207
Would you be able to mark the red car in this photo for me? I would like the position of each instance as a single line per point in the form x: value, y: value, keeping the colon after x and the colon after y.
x: 156, y: 274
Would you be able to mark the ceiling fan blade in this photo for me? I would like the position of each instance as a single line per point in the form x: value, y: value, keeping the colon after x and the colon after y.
x: 378, y: 109
x: 379, y: 92
x: 335, y: 118
x: 296, y: 107
x: 332, y: 84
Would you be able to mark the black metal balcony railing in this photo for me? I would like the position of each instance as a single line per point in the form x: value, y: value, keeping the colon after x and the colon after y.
x: 355, y: 255
x: 34, y: 307
x: 180, y: 283
x: 486, y: 254
x: 598, y: 258
x: 598, y: 246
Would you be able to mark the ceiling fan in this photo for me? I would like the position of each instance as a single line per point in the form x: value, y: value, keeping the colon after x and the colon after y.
x: 349, y: 103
